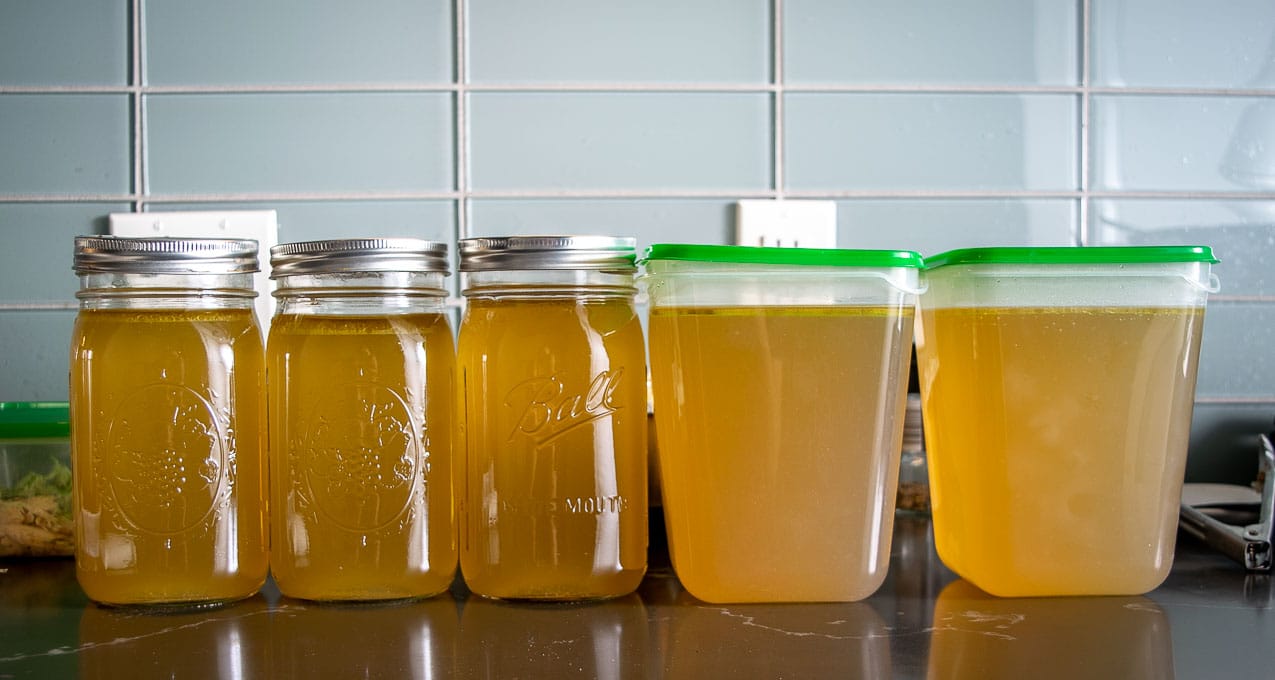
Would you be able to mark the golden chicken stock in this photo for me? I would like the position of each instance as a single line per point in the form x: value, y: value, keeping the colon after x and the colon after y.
x: 169, y: 454
x: 554, y: 499
x: 780, y: 429
x: 361, y: 433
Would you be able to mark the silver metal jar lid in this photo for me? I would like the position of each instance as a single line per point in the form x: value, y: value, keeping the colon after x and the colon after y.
x: 548, y: 252
x: 354, y: 255
x: 164, y: 255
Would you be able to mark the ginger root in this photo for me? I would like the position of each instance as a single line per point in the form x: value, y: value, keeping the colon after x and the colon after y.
x: 32, y: 527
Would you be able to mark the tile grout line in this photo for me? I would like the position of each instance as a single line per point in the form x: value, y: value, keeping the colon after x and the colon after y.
x: 460, y: 139
x: 460, y: 40
x: 722, y: 194
x: 672, y: 88
x: 777, y: 94
x: 136, y: 86
x: 1083, y: 235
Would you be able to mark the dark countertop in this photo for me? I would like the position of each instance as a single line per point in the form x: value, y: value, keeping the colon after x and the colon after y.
x: 1209, y: 620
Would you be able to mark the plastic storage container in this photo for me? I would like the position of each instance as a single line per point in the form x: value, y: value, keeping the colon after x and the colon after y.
x: 168, y: 420
x: 552, y: 366
x: 1057, y: 388
x: 362, y: 386
x: 780, y: 377
x: 35, y: 480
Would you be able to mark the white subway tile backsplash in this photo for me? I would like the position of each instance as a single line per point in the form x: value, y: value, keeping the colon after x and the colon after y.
x: 245, y: 42
x: 1183, y: 43
x: 933, y: 226
x: 318, y: 220
x: 64, y: 144
x: 656, y: 41
x: 1002, y: 42
x: 37, y: 354
x: 1183, y: 143
x: 620, y: 141
x: 1241, y: 233
x: 930, y: 141
x: 1235, y: 357
x: 260, y: 143
x: 64, y: 42
x: 35, y: 262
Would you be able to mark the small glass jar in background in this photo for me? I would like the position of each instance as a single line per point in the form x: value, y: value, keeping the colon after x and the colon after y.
x: 168, y: 421
x: 362, y: 380
x: 552, y: 365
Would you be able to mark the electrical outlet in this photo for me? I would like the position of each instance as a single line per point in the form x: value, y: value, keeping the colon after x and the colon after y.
x: 786, y: 224
x: 260, y: 225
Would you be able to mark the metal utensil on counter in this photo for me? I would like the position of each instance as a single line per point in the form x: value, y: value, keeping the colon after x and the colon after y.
x: 1248, y: 544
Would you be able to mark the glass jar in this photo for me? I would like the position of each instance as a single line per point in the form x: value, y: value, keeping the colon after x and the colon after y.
x: 362, y: 372
x: 168, y: 421
x: 552, y: 365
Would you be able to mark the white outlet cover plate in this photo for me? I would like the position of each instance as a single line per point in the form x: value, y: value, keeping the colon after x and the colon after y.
x: 786, y: 224
x: 261, y: 225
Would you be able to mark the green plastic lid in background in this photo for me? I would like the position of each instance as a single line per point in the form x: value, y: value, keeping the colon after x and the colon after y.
x: 815, y: 257
x: 34, y: 419
x: 1073, y: 255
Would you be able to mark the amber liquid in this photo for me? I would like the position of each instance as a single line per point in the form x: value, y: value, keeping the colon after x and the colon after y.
x: 168, y: 441
x: 1057, y: 443
x: 554, y: 501
x: 361, y: 433
x: 779, y: 437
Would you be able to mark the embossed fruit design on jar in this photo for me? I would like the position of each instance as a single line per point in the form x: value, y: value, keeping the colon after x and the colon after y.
x: 168, y: 421
x: 362, y: 381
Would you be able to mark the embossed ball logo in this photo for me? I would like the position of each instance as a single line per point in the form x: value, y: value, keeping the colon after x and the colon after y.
x: 165, y: 460
x: 548, y: 409
x: 359, y: 454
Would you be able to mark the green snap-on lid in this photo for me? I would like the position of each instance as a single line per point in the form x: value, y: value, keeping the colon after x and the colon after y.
x: 34, y: 419
x: 816, y: 257
x: 1073, y: 255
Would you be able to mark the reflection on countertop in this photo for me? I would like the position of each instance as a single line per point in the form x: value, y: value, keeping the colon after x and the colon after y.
x: 1209, y: 620
x: 976, y: 635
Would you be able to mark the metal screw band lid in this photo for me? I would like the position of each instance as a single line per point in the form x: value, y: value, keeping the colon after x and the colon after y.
x: 548, y: 252
x: 164, y: 255
x: 354, y: 255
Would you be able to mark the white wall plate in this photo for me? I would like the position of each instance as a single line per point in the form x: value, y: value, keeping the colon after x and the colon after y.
x: 786, y: 224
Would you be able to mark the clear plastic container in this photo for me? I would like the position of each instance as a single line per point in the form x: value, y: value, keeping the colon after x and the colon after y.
x: 362, y: 383
x: 780, y: 377
x: 1057, y: 387
x: 35, y: 480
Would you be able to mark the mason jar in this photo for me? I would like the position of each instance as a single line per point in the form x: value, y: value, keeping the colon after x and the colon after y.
x: 553, y: 375
x: 168, y: 421
x: 361, y: 362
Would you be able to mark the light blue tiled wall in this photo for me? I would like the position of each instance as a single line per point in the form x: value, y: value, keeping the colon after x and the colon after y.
x: 250, y: 42
x: 933, y: 125
x: 619, y: 141
x: 930, y: 142
x: 298, y: 143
